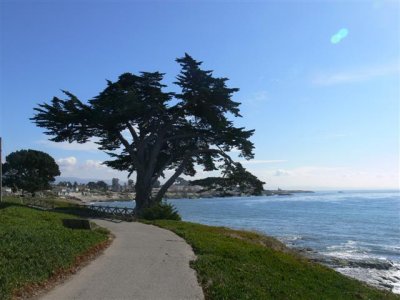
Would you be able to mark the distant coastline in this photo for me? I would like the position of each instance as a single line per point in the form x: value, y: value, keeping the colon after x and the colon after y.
x: 280, y: 192
x: 115, y: 196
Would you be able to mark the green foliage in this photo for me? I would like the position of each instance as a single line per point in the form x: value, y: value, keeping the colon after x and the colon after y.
x: 29, y: 170
x: 160, y: 211
x: 234, y: 264
x: 168, y: 131
x: 34, y: 245
x: 235, y: 179
x: 99, y: 185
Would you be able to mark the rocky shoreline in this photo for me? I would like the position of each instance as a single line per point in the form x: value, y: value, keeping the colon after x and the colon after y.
x: 383, y: 274
x: 280, y: 192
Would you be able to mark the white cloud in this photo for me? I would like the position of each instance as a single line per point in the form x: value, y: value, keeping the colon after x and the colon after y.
x: 281, y: 172
x: 94, y: 164
x: 320, y: 177
x: 356, y: 75
x: 89, y: 169
x: 67, y: 163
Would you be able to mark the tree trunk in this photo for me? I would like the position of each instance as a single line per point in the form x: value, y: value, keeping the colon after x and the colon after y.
x: 144, y: 186
x: 143, y: 190
x: 142, y: 198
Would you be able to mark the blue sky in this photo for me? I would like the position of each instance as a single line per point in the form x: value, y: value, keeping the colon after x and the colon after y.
x: 326, y: 114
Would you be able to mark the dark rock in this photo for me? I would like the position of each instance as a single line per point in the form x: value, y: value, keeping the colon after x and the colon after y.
x: 371, y: 264
x: 77, y: 223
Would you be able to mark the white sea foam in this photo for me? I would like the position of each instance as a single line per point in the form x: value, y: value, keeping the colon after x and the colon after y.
x: 290, y: 238
x: 385, y: 279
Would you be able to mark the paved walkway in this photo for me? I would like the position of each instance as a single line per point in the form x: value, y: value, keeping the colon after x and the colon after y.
x: 143, y: 262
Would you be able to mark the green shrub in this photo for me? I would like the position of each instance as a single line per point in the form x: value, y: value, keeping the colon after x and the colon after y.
x: 160, y: 211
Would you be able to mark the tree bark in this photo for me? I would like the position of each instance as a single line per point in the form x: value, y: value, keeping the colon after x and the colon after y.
x: 143, y: 194
x: 145, y: 173
x: 143, y: 188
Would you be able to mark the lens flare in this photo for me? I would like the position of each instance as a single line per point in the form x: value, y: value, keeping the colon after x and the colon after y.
x: 335, y: 39
x: 343, y: 32
x: 339, y: 36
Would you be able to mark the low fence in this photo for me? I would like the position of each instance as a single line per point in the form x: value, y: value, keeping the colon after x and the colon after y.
x: 120, y: 213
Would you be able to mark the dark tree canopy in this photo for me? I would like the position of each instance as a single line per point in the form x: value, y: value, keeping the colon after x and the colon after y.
x: 237, y: 179
x: 148, y: 131
x: 99, y: 185
x: 65, y: 184
x: 29, y: 170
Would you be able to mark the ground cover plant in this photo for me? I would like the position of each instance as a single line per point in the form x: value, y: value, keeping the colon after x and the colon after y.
x: 235, y: 264
x: 35, y: 246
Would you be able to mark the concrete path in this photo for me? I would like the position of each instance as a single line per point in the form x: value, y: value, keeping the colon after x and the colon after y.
x: 143, y: 262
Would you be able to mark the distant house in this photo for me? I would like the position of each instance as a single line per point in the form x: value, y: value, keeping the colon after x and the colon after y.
x: 6, y: 191
x: 62, y: 191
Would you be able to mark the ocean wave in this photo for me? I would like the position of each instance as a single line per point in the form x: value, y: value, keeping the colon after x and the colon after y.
x: 290, y: 238
x: 358, y: 250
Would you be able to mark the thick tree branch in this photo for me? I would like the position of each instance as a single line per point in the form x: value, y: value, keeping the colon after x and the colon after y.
x: 181, y: 168
x: 133, y: 132
x: 128, y: 147
x: 158, y: 174
x: 124, y: 142
x: 172, y: 179
x: 156, y: 150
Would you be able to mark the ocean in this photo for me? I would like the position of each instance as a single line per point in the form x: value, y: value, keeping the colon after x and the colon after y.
x: 355, y: 232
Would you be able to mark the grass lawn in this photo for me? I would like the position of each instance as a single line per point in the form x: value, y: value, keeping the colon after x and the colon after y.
x: 235, y: 264
x: 35, y: 246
